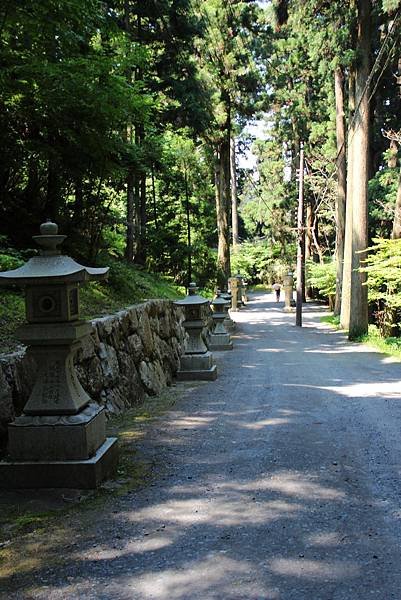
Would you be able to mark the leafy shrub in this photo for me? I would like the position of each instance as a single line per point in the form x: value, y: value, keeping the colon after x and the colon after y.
x: 8, y: 262
x: 383, y: 266
x: 323, y: 278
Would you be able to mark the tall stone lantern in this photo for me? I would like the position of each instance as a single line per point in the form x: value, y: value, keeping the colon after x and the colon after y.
x: 228, y: 322
x: 219, y: 338
x: 288, y: 284
x: 59, y: 440
x: 244, y: 291
x: 240, y: 294
x: 233, y: 285
x: 197, y: 361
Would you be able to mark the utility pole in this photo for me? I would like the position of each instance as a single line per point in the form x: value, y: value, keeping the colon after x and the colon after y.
x: 234, y: 199
x: 187, y: 210
x: 300, y: 237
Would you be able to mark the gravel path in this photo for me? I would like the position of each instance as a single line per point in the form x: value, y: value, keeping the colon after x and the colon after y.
x: 281, y: 481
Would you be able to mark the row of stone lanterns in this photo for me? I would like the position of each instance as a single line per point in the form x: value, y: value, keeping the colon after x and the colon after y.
x: 60, y: 438
x: 197, y: 361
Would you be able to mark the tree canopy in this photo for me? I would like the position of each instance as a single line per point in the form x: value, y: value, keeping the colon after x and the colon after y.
x: 128, y: 123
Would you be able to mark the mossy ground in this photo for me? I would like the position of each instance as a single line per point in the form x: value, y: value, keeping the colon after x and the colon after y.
x: 27, y: 515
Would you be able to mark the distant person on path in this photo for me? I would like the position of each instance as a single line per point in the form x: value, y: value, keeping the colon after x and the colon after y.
x: 277, y: 289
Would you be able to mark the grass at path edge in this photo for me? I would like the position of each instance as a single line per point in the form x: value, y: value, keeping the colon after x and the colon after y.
x: 390, y: 346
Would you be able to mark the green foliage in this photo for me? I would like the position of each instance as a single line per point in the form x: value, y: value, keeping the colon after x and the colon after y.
x: 322, y: 277
x: 391, y: 5
x: 251, y: 259
x: 9, y: 262
x: 333, y: 320
x: 184, y: 170
x: 85, y: 97
x: 12, y: 312
x: 383, y: 266
x: 258, y: 262
x: 382, y: 194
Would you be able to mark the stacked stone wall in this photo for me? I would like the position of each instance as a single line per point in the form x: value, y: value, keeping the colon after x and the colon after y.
x: 128, y: 355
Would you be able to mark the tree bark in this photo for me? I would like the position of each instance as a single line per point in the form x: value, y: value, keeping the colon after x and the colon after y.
x: 319, y: 255
x: 396, y: 234
x: 358, y: 318
x: 347, y: 262
x: 141, y: 218
x: 51, y: 207
x: 188, y: 214
x: 309, y: 244
x: 222, y: 212
x: 234, y: 197
x: 154, y: 198
x: 341, y: 185
x: 223, y: 196
x: 129, y: 240
x: 300, y: 241
x: 130, y: 181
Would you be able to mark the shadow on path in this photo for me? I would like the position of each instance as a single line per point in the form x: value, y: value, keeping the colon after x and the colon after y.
x: 278, y: 481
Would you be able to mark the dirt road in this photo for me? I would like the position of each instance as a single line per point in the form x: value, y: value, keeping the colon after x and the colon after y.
x: 281, y: 481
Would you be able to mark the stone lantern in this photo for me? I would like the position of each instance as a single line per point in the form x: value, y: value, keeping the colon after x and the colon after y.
x: 59, y: 440
x: 244, y: 291
x: 228, y: 322
x: 288, y: 284
x: 197, y: 360
x: 233, y: 285
x: 240, y: 294
x: 219, y: 338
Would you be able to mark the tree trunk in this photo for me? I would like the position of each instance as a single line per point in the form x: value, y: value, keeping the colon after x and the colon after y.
x: 346, y: 278
x: 308, y: 244
x: 130, y: 197
x: 51, y: 207
x: 318, y: 256
x: 300, y: 241
x: 223, y: 197
x: 222, y: 212
x: 154, y: 198
x: 188, y: 214
x: 140, y: 255
x: 129, y: 240
x: 341, y: 185
x: 234, y: 198
x: 396, y: 234
x: 358, y: 318
x: 77, y: 215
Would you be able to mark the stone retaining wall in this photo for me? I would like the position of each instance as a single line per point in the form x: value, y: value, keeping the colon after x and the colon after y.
x: 130, y: 354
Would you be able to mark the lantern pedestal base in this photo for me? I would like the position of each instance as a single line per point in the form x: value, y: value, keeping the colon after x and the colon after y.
x: 229, y: 325
x: 220, y: 341
x: 55, y: 438
x: 78, y: 474
x: 197, y: 366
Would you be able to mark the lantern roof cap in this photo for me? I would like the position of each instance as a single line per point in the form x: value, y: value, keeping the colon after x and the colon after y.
x: 51, y: 266
x: 219, y: 300
x: 192, y: 298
